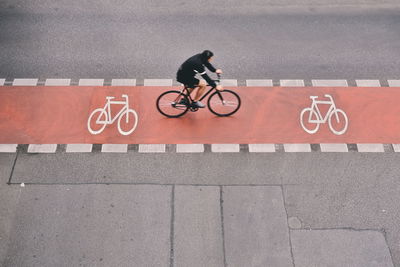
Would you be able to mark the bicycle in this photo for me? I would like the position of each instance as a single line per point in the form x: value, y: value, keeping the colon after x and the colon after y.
x: 174, y: 103
x: 104, y: 116
x: 315, y: 116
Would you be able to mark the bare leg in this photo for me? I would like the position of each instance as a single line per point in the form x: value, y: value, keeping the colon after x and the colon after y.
x: 200, y: 91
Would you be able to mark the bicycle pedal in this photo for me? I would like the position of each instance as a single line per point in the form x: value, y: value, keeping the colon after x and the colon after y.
x: 194, y: 109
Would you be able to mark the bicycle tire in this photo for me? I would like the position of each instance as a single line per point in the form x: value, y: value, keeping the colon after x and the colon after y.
x: 135, y: 122
x: 166, y: 100
x: 303, y: 122
x: 346, y: 121
x: 217, y: 99
x: 102, y: 112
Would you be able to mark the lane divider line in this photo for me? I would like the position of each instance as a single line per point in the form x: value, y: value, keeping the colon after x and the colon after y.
x: 328, y: 83
x: 262, y: 148
x: 200, y: 148
x: 334, y: 148
x: 229, y: 82
x: 42, y: 148
x: 123, y: 82
x: 25, y: 82
x: 268, y: 83
x: 396, y: 147
x: 368, y: 83
x: 189, y: 148
x: 297, y: 147
x: 91, y: 82
x: 225, y: 148
x: 114, y: 148
x: 292, y: 83
x: 394, y: 83
x: 370, y: 148
x: 157, y: 82
x: 8, y: 148
x: 151, y: 148
x: 57, y: 82
x: 79, y: 148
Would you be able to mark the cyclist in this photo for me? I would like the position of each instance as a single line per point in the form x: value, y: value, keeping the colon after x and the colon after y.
x: 195, y: 65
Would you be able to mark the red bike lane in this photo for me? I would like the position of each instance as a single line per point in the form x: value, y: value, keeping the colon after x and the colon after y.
x: 59, y: 115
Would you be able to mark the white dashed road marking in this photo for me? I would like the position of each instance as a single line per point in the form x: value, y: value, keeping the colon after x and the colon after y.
x: 259, y: 83
x: 292, y: 83
x: 297, y: 147
x: 222, y: 148
x: 79, y: 148
x: 333, y: 83
x: 25, y: 82
x: 114, y: 148
x: 45, y: 148
x: 189, y: 148
x: 260, y: 148
x: 152, y: 148
x: 370, y: 148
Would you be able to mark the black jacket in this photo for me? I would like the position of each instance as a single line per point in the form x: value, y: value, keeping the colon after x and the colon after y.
x: 195, y: 65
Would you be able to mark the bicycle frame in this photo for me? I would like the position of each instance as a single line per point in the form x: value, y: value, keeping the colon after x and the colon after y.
x: 314, y: 106
x: 107, y: 107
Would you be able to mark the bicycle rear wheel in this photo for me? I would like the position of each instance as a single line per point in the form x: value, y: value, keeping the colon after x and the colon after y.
x: 172, y: 104
x: 224, y: 103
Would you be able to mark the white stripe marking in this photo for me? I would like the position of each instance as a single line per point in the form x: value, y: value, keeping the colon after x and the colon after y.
x: 79, y: 148
x: 152, y: 148
x: 334, y: 148
x: 91, y: 82
x: 57, y: 82
x: 45, y: 148
x: 8, y: 148
x: 368, y: 83
x: 189, y: 148
x: 291, y: 83
x: 123, y: 82
x: 333, y: 83
x: 25, y: 82
x: 394, y: 83
x: 261, y: 148
x: 297, y: 147
x: 370, y: 148
x: 157, y: 82
x: 114, y: 148
x: 259, y: 83
x: 2, y: 81
x: 396, y: 147
x: 222, y: 148
x: 229, y: 82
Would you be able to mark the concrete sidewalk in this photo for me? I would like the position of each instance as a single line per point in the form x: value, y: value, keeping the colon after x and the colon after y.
x: 170, y: 225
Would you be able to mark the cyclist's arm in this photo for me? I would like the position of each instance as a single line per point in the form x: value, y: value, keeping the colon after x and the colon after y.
x: 210, y: 66
x: 208, y: 79
x: 200, y: 70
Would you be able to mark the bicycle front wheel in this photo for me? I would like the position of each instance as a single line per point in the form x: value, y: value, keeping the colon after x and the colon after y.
x: 172, y: 104
x: 224, y: 103
x: 127, y: 122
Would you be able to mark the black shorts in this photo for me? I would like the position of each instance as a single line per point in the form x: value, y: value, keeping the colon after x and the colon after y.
x: 189, y: 82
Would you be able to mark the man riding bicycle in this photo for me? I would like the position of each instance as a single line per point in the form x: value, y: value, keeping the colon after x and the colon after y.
x: 195, y: 65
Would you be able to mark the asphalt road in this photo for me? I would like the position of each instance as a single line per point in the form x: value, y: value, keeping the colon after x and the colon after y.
x: 150, y: 39
x: 275, y: 39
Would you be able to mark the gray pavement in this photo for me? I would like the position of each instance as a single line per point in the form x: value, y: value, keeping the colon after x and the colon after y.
x: 302, y: 39
x: 234, y: 215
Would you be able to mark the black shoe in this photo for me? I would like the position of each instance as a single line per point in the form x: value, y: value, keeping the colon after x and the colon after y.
x: 198, y: 104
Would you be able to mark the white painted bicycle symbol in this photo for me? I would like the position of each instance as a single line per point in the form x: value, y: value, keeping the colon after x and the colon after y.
x: 311, y: 118
x: 101, y: 117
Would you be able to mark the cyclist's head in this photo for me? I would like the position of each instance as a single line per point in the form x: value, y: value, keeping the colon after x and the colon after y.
x: 207, y: 55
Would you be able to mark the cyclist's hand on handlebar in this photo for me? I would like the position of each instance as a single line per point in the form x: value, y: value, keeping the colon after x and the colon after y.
x: 218, y: 71
x: 219, y: 88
